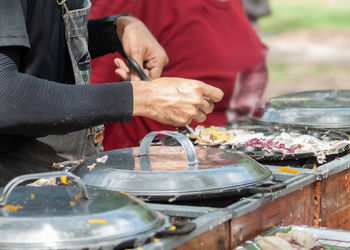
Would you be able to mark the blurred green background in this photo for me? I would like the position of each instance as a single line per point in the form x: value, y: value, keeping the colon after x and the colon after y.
x: 309, y: 45
x: 290, y: 15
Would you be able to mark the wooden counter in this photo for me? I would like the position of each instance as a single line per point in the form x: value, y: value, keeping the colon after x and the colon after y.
x: 296, y: 208
x: 335, y: 201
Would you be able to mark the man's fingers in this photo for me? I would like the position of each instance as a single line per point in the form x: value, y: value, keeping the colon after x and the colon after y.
x: 154, y: 68
x: 123, y: 75
x: 207, y: 106
x: 212, y: 93
x: 200, y: 117
x: 155, y: 72
x: 120, y: 64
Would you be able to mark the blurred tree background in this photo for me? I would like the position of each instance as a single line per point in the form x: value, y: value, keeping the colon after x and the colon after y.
x: 309, y: 45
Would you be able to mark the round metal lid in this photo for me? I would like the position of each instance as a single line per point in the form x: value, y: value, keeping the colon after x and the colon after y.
x: 171, y: 170
x: 59, y: 217
x: 323, y: 109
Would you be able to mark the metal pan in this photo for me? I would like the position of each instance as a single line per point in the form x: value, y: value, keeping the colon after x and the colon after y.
x: 321, y: 109
x: 262, y: 155
x: 70, y: 217
x: 168, y: 173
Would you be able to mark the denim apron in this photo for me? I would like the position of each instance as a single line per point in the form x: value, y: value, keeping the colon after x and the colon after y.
x: 83, y: 143
x: 66, y: 150
x: 80, y: 144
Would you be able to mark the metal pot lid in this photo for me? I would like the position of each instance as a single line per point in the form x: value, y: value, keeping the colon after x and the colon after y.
x: 322, y: 109
x: 171, y: 170
x: 60, y: 217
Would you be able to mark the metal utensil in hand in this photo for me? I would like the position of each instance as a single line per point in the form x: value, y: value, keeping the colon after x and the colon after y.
x: 132, y: 63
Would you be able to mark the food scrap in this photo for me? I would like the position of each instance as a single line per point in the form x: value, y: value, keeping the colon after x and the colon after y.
x: 97, y: 221
x: 72, y: 203
x: 172, y: 228
x: 288, y: 170
x: 102, y: 159
x: 77, y: 197
x: 32, y: 196
x: 65, y: 180
x: 91, y: 167
x: 155, y: 240
x: 12, y: 208
x: 43, y: 182
x: 293, y: 239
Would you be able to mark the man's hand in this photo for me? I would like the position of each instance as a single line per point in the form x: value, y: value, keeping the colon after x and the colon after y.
x: 174, y: 101
x: 140, y: 44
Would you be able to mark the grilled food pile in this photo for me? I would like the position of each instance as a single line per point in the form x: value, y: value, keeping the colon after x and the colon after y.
x: 283, y: 142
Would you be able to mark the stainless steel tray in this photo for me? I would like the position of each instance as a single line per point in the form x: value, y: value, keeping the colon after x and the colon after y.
x: 330, y: 238
x: 321, y: 109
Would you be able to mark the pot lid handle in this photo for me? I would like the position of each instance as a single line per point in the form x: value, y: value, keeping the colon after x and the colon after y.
x: 19, y: 179
x: 186, y: 144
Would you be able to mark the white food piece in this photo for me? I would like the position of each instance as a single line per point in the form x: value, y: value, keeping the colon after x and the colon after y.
x: 285, y: 143
x: 302, y: 239
x: 274, y: 243
x: 102, y: 159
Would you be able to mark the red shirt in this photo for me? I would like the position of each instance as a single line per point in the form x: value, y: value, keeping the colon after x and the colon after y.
x: 207, y: 40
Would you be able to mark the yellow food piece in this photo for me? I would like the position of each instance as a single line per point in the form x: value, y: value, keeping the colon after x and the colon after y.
x: 72, y: 203
x: 65, y: 180
x: 12, y: 208
x: 91, y: 167
x: 77, y: 197
x: 32, y: 196
x: 155, y: 240
x: 172, y: 228
x: 287, y: 169
x: 97, y: 221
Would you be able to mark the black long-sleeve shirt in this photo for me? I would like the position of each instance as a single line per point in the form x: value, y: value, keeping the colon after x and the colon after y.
x: 37, y: 92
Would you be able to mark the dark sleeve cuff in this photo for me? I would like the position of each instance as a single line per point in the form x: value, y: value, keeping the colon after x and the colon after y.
x: 103, y: 38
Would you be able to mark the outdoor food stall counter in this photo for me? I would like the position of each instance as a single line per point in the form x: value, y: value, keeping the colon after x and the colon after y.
x: 316, y: 194
x: 214, y: 188
x: 318, y: 198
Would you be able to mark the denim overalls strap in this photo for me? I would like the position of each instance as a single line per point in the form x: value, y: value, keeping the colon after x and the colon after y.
x: 88, y: 141
x: 83, y: 143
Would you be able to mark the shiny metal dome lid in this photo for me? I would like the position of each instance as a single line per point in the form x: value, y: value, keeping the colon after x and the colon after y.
x: 60, y: 217
x: 171, y: 170
x: 323, y: 109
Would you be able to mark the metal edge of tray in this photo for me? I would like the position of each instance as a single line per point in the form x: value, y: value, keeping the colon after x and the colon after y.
x: 186, y: 211
x: 251, y: 203
x: 334, y: 237
x: 331, y: 168
x: 198, y: 194
x: 322, y: 126
x: 204, y: 224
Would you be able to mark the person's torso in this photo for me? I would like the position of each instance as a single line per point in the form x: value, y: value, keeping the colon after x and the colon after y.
x: 48, y: 57
x: 207, y: 40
